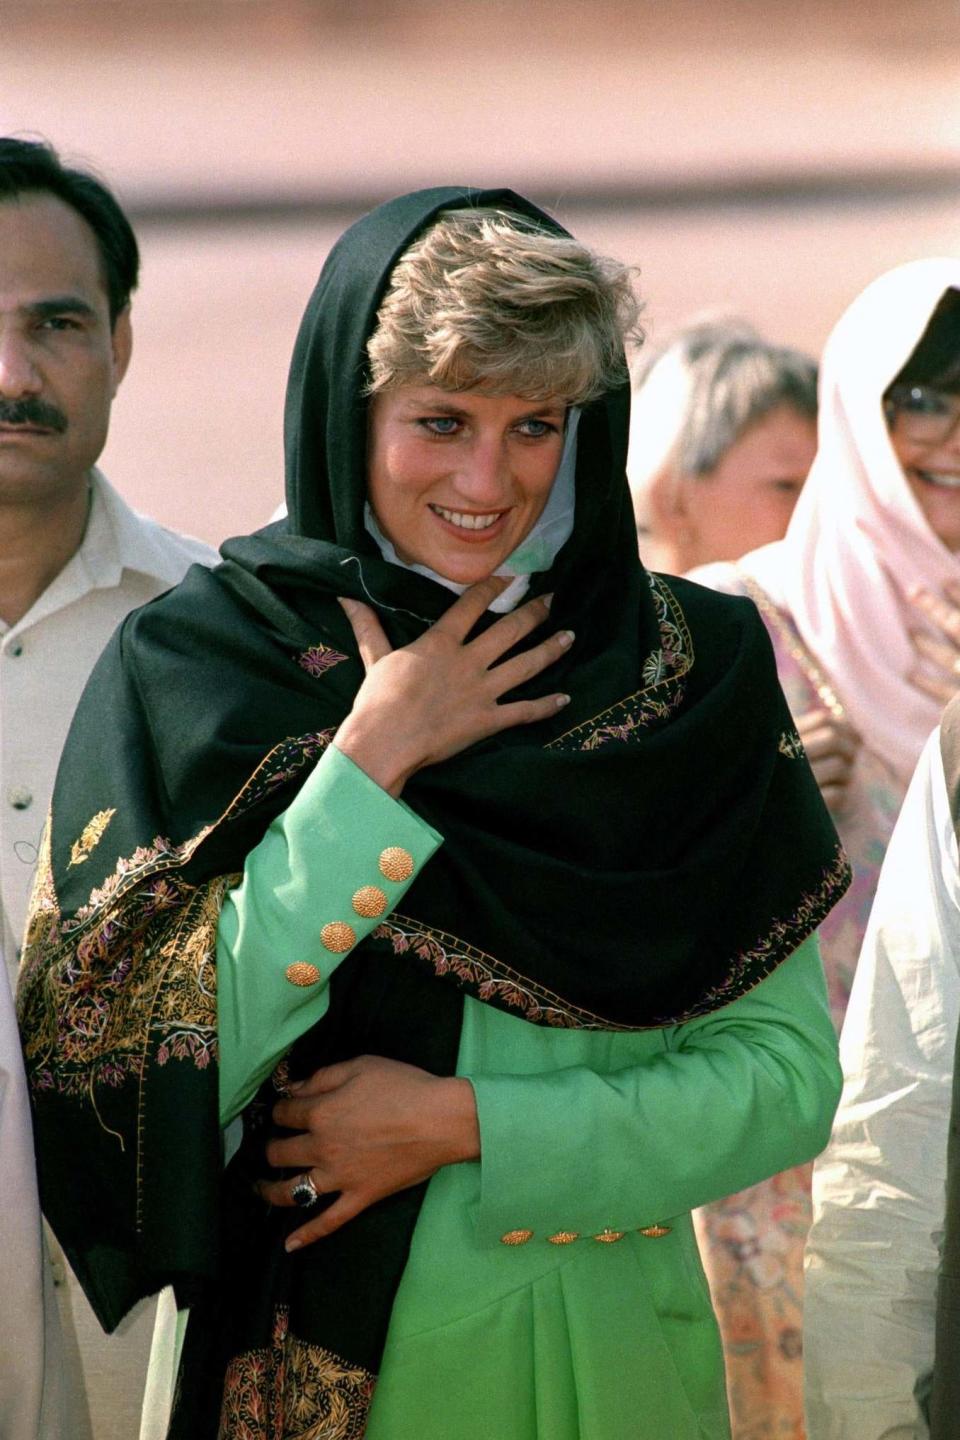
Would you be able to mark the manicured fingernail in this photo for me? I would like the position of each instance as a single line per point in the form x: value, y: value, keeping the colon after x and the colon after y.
x: 347, y: 604
x: 547, y: 600
x: 296, y: 1084
x: 292, y: 1244
x: 566, y: 638
x: 562, y: 700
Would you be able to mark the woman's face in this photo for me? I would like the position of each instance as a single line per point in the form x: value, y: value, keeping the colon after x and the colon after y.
x: 457, y: 479
x: 924, y: 429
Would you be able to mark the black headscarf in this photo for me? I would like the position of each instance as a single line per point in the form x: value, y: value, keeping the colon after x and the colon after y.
x: 645, y: 857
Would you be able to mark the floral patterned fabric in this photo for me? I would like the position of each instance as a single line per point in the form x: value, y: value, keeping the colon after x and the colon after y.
x: 752, y: 1243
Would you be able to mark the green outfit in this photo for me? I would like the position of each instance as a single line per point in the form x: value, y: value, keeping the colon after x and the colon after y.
x: 582, y: 1132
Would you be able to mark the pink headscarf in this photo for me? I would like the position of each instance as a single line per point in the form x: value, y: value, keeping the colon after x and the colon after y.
x: 858, y: 544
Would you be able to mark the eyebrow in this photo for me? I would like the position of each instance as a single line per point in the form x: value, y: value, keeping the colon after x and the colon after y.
x: 60, y: 305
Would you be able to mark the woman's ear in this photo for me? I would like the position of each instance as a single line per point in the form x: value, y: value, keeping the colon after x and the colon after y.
x: 671, y: 519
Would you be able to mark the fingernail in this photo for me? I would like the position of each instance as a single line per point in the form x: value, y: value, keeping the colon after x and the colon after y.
x: 347, y: 604
x: 547, y: 600
x: 562, y: 700
x: 292, y: 1244
x: 295, y: 1084
x: 566, y: 638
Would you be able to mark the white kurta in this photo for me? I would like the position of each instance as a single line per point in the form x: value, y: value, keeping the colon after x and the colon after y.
x: 878, y: 1188
x: 45, y: 659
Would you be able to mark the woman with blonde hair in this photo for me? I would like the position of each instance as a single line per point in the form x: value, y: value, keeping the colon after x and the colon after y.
x: 861, y: 602
x: 497, y: 1036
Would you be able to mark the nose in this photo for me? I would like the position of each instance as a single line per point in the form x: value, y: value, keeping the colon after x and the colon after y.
x: 483, y: 476
x: 19, y: 375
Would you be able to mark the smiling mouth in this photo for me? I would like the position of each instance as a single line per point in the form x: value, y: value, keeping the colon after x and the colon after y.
x: 941, y: 479
x: 465, y: 521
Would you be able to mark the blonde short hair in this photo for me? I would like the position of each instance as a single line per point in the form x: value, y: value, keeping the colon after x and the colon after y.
x: 487, y: 299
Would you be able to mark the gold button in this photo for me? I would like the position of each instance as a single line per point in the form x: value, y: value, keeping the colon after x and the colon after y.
x: 369, y: 901
x: 338, y: 936
x: 610, y: 1237
x: 564, y: 1237
x: 301, y: 972
x: 654, y: 1232
x: 516, y: 1237
x: 396, y: 863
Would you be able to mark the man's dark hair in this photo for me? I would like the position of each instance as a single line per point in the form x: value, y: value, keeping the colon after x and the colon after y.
x: 31, y: 167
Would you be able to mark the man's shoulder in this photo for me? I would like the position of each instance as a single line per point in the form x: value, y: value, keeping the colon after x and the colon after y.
x: 143, y: 544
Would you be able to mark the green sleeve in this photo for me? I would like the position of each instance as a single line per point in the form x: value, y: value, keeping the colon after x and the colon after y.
x: 724, y: 1102
x: 297, y: 913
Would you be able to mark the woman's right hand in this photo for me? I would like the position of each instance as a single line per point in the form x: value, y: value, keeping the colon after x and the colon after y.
x: 831, y: 745
x: 431, y: 699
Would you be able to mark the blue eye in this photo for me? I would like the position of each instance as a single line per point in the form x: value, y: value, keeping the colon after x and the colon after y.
x: 441, y: 424
x: 536, y: 429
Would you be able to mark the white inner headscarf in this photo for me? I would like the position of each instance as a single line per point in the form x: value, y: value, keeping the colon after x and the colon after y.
x: 858, y: 544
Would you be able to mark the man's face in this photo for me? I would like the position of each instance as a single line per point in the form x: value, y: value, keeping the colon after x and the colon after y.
x: 60, y: 361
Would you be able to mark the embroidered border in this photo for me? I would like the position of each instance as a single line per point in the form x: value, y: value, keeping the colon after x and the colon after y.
x: 291, y: 1390
x: 663, y: 672
x: 491, y: 980
x: 795, y: 647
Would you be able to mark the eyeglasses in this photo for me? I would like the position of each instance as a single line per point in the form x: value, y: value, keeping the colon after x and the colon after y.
x: 921, y: 414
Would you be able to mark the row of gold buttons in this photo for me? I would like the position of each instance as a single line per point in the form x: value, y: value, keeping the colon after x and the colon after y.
x: 567, y: 1237
x: 368, y: 902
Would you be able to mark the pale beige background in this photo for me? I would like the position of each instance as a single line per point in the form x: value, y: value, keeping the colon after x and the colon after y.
x: 824, y: 114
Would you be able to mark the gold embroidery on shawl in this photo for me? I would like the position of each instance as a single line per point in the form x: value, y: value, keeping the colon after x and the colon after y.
x: 131, y: 976
x: 791, y: 745
x: 82, y: 849
x: 491, y: 980
x: 291, y: 1390
x: 663, y: 673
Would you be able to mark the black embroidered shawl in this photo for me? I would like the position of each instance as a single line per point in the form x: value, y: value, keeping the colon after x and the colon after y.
x: 646, y: 857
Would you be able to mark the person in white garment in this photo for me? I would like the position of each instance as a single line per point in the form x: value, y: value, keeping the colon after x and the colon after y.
x: 74, y: 559
x: 879, y: 1188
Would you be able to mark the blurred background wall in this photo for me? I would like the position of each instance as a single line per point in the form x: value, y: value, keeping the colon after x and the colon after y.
x: 764, y: 158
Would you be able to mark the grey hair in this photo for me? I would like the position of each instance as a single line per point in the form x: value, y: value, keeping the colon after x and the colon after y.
x: 733, y: 379
x: 487, y: 299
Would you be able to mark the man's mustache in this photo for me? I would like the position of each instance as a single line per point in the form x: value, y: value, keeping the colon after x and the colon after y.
x: 33, y: 412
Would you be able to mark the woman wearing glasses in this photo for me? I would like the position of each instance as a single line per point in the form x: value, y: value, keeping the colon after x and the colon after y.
x: 862, y: 600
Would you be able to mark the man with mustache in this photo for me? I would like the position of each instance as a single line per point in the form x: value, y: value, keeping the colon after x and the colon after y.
x: 74, y: 559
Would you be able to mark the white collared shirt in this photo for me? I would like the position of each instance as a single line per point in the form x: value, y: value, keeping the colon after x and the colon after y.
x: 45, y: 659
x: 123, y: 561
x: 878, y: 1188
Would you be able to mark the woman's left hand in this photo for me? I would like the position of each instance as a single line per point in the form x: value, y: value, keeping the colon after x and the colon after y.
x: 368, y: 1127
x: 939, y: 672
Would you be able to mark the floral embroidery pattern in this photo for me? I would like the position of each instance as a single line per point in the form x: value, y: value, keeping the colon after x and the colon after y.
x: 317, y: 659
x: 290, y: 1390
x: 491, y: 980
x: 90, y: 837
x: 791, y: 745
x: 130, y: 978
x: 484, y: 976
x: 662, y: 672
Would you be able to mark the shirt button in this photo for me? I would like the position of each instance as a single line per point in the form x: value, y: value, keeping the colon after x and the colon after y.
x: 564, y: 1237
x: 516, y: 1237
x: 338, y: 936
x: 396, y: 864
x: 16, y: 649
x: 610, y: 1237
x: 655, y: 1232
x: 19, y: 797
x: 301, y: 972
